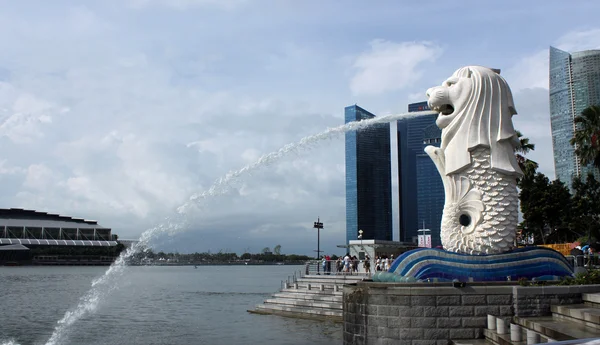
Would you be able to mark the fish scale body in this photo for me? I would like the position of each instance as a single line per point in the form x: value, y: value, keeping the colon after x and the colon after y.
x: 495, y: 230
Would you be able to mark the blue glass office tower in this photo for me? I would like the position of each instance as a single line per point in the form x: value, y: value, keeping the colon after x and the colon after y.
x: 368, y: 179
x: 421, y: 198
x: 574, y: 85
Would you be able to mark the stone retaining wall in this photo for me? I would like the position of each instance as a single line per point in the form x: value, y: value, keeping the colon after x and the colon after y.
x: 432, y: 314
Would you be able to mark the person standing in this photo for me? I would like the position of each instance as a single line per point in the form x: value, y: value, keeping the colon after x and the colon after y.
x: 347, y: 263
x: 367, y: 265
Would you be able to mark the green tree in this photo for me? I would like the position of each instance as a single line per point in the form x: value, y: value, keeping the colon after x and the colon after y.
x: 266, y: 250
x: 557, y: 211
x: 528, y: 166
x: 277, y: 249
x: 531, y: 195
x: 586, y: 207
x: 586, y: 139
x: 546, y: 207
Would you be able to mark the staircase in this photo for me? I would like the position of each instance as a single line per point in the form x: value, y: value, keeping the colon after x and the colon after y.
x: 568, y: 322
x: 312, y: 297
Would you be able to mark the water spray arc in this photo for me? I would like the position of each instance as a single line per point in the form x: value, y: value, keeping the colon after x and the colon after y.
x: 107, y: 283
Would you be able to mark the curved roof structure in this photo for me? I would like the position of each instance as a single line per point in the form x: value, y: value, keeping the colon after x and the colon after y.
x: 29, y: 227
x: 19, y: 216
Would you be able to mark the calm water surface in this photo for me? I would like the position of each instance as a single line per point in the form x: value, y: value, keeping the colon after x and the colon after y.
x: 155, y: 305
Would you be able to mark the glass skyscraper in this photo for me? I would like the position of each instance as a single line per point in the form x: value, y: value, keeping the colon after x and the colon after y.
x: 574, y: 85
x: 421, y: 198
x: 368, y: 179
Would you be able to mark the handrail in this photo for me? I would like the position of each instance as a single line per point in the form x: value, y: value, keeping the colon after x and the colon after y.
x: 331, y: 267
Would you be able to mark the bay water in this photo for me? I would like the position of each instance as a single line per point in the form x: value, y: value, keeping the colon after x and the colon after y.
x: 160, y: 305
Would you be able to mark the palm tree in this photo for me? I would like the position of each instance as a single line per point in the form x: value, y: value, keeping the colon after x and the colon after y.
x: 527, y: 165
x: 587, y: 136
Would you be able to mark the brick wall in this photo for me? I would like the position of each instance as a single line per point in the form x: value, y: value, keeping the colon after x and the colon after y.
x: 432, y: 314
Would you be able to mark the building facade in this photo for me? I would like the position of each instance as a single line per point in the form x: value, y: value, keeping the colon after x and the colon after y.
x: 574, y: 85
x: 368, y: 179
x: 421, y: 192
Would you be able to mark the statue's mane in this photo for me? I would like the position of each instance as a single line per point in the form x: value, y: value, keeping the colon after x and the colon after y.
x: 485, y: 121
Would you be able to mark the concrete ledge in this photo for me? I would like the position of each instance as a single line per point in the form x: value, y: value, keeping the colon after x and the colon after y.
x: 557, y: 329
x: 330, y: 318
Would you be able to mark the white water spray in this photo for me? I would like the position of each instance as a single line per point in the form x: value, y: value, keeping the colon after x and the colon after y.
x: 104, y: 285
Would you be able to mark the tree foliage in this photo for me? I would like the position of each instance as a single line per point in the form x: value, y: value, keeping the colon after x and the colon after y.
x: 586, y: 206
x: 586, y: 139
x: 277, y: 249
x: 149, y: 257
x: 545, y: 204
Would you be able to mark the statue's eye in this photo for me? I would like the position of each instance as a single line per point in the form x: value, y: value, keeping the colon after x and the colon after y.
x: 450, y: 82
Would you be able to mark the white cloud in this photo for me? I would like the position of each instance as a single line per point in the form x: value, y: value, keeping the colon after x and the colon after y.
x: 531, y: 71
x: 22, y: 114
x: 10, y: 170
x: 579, y: 40
x: 390, y: 66
x: 39, y: 177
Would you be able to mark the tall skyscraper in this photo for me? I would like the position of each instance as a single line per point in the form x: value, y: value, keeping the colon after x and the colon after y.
x: 574, y: 85
x: 368, y: 179
x: 421, y: 198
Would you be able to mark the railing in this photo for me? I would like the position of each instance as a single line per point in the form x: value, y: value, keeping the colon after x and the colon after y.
x: 585, y: 261
x: 291, y: 280
x: 332, y: 267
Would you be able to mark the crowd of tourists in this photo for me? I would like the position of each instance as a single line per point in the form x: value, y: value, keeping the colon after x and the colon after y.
x: 348, y: 264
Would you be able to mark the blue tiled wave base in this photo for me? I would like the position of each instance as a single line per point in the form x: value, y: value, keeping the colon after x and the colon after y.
x: 427, y: 264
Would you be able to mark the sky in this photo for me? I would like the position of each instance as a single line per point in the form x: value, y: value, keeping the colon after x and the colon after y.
x: 119, y: 111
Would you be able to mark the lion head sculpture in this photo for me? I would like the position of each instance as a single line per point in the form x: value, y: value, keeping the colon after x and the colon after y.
x: 476, y: 108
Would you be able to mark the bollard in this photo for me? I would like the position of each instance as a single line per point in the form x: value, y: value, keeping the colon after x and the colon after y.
x: 532, y: 337
x: 287, y: 285
x: 296, y: 286
x: 500, y: 326
x: 322, y: 288
x: 491, y: 322
x: 515, y: 333
x: 308, y: 286
x: 336, y: 288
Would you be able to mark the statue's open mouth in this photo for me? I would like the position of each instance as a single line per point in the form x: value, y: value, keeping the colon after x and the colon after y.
x: 445, y: 109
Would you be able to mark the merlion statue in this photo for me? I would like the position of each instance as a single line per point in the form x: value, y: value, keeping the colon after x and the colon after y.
x: 476, y: 161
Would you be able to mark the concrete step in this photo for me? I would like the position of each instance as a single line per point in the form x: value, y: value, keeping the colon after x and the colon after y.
x: 591, y: 298
x: 297, y: 315
x: 337, y: 279
x: 580, y: 313
x: 558, y: 330
x: 327, y: 292
x: 311, y: 297
x: 304, y: 303
x: 470, y: 342
x: 504, y: 339
x: 334, y: 315
x: 317, y: 286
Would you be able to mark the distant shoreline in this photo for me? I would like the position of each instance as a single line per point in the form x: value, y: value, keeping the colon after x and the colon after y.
x: 37, y: 264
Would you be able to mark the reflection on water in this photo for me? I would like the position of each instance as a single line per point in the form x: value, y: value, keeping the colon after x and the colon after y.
x: 155, y: 305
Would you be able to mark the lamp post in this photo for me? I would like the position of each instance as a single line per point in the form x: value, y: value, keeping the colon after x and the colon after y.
x: 318, y: 225
x: 360, y: 233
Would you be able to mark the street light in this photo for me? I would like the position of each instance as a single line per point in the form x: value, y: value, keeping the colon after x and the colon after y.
x: 318, y: 225
x: 360, y: 232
